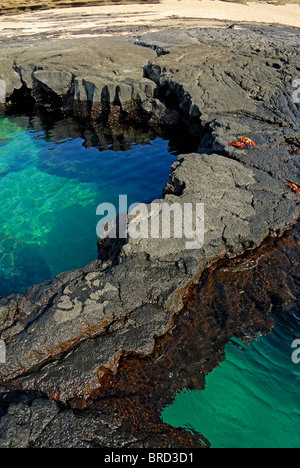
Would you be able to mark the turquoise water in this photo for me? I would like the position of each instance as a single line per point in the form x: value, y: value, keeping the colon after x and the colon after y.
x: 252, y: 400
x: 50, y: 188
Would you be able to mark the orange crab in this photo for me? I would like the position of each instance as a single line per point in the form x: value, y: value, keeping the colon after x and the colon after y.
x: 294, y: 188
x: 244, y: 143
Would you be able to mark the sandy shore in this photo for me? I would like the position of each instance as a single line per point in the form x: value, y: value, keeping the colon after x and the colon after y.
x: 122, y: 19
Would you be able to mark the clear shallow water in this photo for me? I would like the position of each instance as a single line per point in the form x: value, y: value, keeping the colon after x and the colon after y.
x: 50, y: 187
x: 252, y: 400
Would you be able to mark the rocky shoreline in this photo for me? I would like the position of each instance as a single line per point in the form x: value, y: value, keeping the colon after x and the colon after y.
x: 79, y: 346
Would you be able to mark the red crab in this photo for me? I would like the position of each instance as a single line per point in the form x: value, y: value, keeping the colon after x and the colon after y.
x: 294, y: 188
x: 244, y: 143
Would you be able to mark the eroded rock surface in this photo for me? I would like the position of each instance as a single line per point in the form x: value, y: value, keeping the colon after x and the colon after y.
x: 71, y: 337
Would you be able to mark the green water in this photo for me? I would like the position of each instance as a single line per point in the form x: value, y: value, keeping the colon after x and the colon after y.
x: 252, y: 400
x: 50, y: 187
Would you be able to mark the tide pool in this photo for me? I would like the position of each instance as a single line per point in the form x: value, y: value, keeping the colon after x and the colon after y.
x: 51, y: 182
x: 50, y: 189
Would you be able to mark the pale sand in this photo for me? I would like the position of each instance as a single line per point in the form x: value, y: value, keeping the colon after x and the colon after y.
x: 168, y: 13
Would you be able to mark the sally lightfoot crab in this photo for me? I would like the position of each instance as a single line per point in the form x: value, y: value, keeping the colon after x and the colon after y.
x: 294, y: 188
x: 244, y: 143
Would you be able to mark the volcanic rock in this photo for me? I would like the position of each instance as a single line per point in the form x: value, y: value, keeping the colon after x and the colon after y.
x: 79, y: 338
